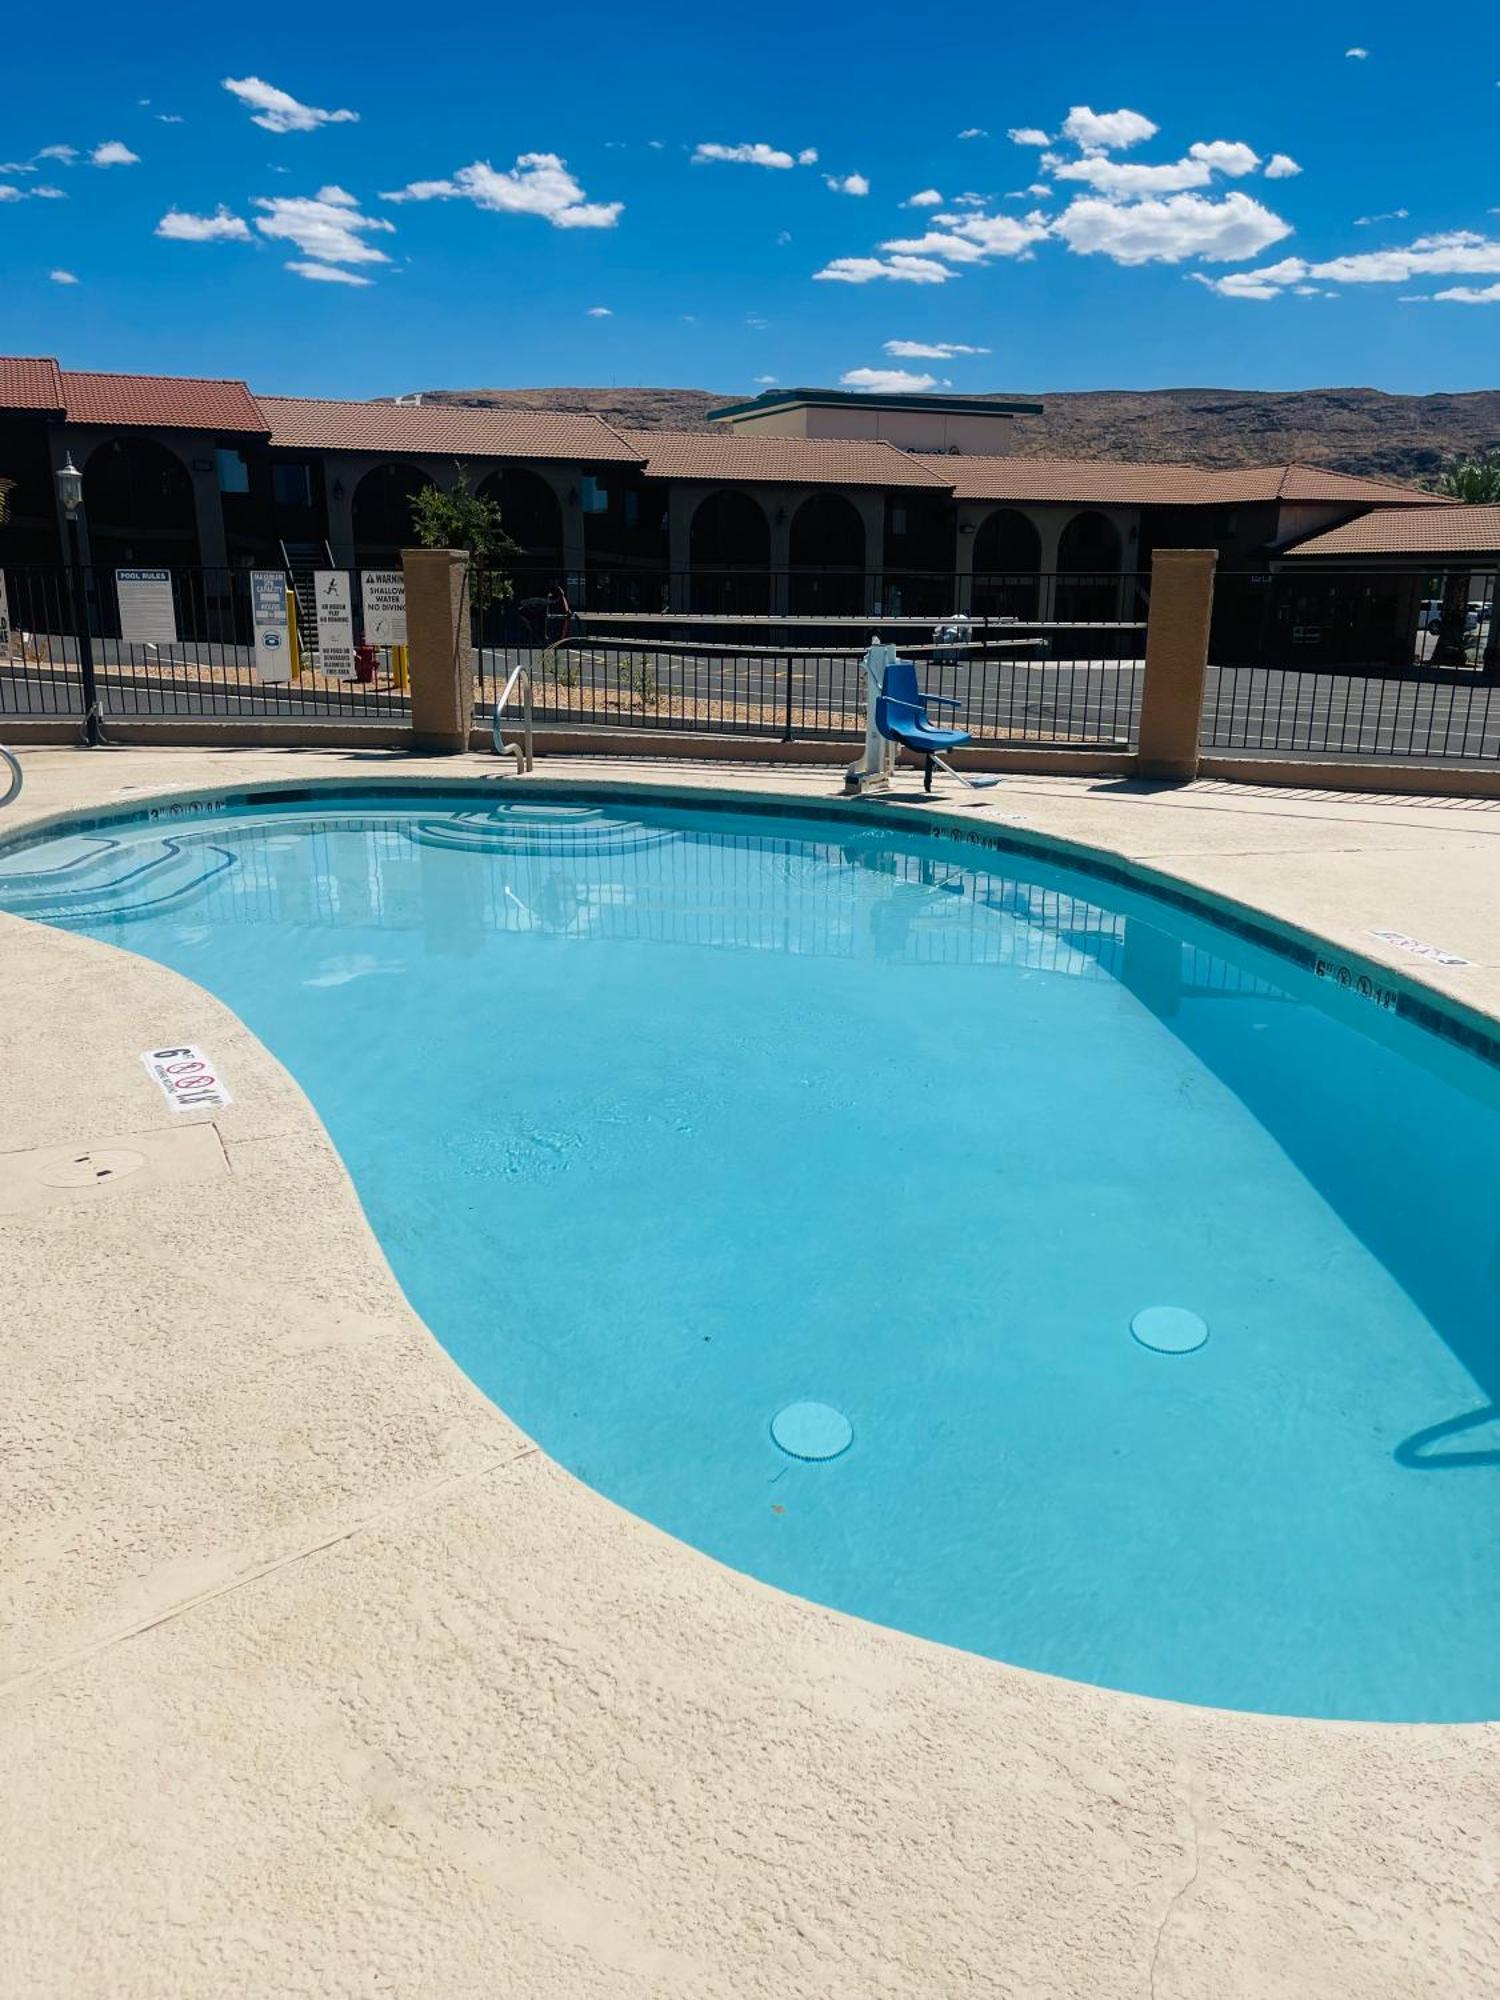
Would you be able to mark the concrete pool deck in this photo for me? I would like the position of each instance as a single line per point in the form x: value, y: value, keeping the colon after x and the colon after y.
x: 319, y: 1677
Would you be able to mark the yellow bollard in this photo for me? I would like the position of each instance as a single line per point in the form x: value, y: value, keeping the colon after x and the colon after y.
x: 296, y: 638
x: 400, y: 672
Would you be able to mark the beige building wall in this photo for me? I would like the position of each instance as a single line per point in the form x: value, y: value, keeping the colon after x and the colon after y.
x: 911, y: 430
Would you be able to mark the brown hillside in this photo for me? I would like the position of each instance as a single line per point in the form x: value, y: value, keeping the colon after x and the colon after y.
x: 1350, y: 430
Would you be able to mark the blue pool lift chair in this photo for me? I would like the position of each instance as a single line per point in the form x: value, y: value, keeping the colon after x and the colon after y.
x: 901, y: 717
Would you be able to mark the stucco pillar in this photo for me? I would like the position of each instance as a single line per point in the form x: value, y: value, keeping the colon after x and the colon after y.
x: 779, y: 507
x: 438, y: 648
x: 682, y: 504
x: 967, y: 518
x: 1049, y: 523
x: 208, y: 509
x: 340, y: 479
x: 1182, y: 595
x: 871, y: 510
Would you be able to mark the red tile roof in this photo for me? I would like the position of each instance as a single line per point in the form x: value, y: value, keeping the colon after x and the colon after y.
x: 160, y: 402
x: 444, y: 430
x: 1411, y: 531
x: 30, y: 382
x: 1102, y: 482
x: 784, y: 461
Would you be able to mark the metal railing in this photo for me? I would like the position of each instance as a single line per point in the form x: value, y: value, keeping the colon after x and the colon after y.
x: 1022, y: 679
x: 68, y: 626
x: 1355, y: 664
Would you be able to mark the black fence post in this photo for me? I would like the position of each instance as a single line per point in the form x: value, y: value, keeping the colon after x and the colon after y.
x: 93, y: 731
x: 786, y: 731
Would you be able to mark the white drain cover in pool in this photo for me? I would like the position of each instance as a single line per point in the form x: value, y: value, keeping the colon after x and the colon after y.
x: 812, y: 1430
x: 1169, y: 1329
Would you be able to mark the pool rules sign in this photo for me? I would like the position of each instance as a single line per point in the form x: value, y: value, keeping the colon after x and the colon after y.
x: 335, y: 623
x: 273, y: 638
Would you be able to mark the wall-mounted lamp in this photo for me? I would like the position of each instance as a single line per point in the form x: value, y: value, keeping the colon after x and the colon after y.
x: 70, y: 487
x: 781, y: 517
x: 338, y: 489
x: 572, y: 496
x: 966, y: 527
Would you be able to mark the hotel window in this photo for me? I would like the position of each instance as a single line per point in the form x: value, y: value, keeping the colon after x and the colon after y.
x: 292, y: 485
x: 593, y: 496
x: 234, y: 474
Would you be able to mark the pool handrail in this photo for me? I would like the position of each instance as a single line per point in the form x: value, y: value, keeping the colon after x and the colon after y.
x: 523, y: 751
x: 13, y: 786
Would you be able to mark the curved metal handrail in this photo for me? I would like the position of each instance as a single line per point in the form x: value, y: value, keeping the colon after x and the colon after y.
x: 10, y: 764
x: 522, y: 751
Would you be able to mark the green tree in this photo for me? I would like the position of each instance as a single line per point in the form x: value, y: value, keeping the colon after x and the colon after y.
x: 1475, y: 479
x: 464, y: 519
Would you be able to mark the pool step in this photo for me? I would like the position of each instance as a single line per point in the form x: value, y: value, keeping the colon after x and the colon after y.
x: 518, y: 829
x: 120, y: 880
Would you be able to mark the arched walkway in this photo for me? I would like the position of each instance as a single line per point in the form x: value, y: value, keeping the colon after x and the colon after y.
x: 381, y: 511
x: 729, y: 550
x: 1088, y: 564
x: 531, y: 515
x: 138, y: 503
x: 1007, y: 559
x: 827, y: 555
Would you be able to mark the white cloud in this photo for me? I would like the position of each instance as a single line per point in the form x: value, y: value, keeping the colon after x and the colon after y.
x: 923, y: 198
x: 600, y: 312
x: 62, y: 277
x: 8, y: 193
x: 1457, y: 253
x: 278, y: 111
x: 888, y: 381
x: 538, y: 184
x: 46, y: 192
x: 110, y: 153
x: 939, y: 350
x: 766, y: 381
x: 326, y: 274
x: 1386, y: 215
x: 973, y: 132
x: 1266, y: 283
x: 1169, y: 231
x: 900, y: 270
x: 1230, y: 157
x: 1281, y: 167
x: 848, y: 183
x: 783, y: 237
x: 1356, y: 55
x: 1106, y: 131
x: 751, y: 154
x: 937, y: 243
x: 1038, y: 188
x: 64, y: 155
x: 178, y: 226
x: 997, y: 235
x: 1028, y: 135
x: 328, y: 227
x: 168, y: 118
x: 1470, y: 295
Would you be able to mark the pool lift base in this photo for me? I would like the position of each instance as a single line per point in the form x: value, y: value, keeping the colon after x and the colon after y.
x: 896, y: 717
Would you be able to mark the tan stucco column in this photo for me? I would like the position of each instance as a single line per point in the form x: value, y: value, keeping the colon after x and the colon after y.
x: 438, y: 649
x: 1182, y: 596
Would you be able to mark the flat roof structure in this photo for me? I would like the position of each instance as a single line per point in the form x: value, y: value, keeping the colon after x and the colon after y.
x: 952, y: 406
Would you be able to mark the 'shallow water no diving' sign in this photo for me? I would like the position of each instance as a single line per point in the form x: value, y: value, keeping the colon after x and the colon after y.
x: 383, y: 593
x: 273, y: 639
x: 148, y: 616
x: 335, y: 623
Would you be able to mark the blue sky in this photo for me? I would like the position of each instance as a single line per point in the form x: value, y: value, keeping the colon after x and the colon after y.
x: 623, y: 194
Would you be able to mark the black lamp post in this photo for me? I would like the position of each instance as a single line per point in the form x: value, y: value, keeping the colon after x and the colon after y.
x: 70, y: 491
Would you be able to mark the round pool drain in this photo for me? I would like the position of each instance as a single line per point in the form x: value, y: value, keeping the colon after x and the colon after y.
x: 1169, y: 1329
x: 812, y: 1430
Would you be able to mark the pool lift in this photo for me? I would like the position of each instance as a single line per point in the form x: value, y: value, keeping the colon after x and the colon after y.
x: 896, y: 718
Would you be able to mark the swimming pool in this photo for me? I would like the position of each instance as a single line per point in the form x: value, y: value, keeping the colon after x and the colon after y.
x: 673, y: 1120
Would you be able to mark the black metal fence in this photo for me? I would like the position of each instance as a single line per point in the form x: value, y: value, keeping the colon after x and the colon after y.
x: 1358, y: 664
x: 181, y: 644
x: 1052, y: 660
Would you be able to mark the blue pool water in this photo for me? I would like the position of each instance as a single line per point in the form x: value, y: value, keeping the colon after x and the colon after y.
x: 669, y: 1121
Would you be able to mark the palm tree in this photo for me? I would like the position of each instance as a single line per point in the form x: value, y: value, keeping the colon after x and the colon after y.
x: 1474, y: 480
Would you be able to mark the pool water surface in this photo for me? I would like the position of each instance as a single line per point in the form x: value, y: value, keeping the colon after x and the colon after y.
x: 671, y: 1121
